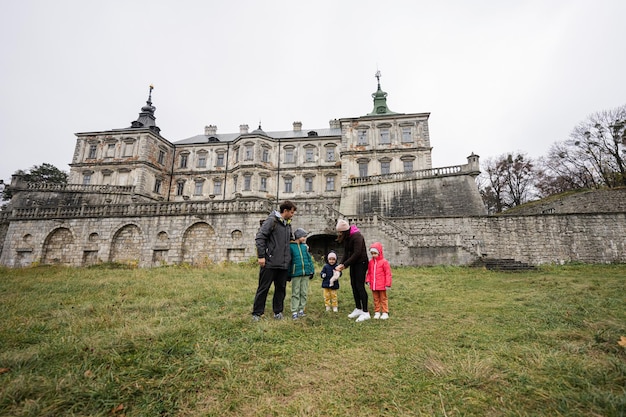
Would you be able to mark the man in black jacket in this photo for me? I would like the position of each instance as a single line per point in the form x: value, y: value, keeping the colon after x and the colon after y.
x: 274, y: 255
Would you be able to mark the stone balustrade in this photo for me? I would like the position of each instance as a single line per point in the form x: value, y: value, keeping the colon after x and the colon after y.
x: 410, y: 175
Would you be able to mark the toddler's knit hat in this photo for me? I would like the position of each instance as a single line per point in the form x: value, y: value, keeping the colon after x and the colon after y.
x: 300, y: 233
x: 342, y: 225
x: 331, y: 255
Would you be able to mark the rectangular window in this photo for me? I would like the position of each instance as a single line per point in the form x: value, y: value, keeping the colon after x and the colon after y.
x: 308, y: 184
x: 220, y: 160
x: 385, y: 137
x: 180, y: 188
x: 309, y: 155
x: 202, y: 161
x: 249, y: 153
x: 106, y: 178
x: 157, y: 186
x: 288, y: 185
x: 406, y: 135
x: 385, y: 167
x: 86, y: 179
x: 408, y: 166
x: 92, y: 151
x: 263, y: 184
x: 289, y: 156
x: 198, y: 188
x: 330, y: 154
x: 266, y: 155
x: 330, y: 183
x: 110, y: 150
x: 362, y: 137
x: 183, y: 161
x: 161, y: 157
x: 247, y: 182
x: 217, y: 187
x: 362, y: 169
x: 128, y: 149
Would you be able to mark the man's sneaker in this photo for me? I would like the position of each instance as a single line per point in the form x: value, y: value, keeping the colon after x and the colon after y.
x: 301, y: 313
x: 356, y: 313
x: 256, y: 317
x: 335, y: 309
x: 278, y: 316
x: 385, y: 316
x: 376, y: 315
x: 364, y: 316
x: 294, y: 316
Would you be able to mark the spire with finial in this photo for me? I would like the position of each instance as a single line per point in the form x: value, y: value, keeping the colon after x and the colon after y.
x: 380, y: 99
x: 146, y: 117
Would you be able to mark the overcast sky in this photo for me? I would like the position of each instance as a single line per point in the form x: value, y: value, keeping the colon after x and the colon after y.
x: 496, y: 76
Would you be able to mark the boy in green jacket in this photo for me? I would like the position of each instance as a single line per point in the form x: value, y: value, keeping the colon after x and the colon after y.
x: 300, y: 272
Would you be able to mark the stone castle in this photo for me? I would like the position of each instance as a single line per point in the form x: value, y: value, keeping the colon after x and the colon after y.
x: 136, y: 197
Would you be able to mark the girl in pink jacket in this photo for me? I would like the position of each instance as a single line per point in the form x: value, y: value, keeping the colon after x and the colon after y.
x: 379, y: 279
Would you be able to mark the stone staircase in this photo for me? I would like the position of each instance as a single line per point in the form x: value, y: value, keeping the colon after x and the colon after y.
x: 510, y: 265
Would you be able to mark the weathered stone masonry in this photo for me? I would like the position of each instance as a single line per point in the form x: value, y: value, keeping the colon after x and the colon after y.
x: 215, y: 232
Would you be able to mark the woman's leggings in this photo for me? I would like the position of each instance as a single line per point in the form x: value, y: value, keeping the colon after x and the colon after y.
x: 357, y: 280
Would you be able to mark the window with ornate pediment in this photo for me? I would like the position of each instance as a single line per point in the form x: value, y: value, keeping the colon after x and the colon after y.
x: 407, y: 162
x: 184, y: 157
x: 198, y: 185
x: 330, y: 183
x: 290, y: 155
x: 385, y: 166
x: 249, y: 152
x: 361, y: 137
x: 93, y: 148
x: 363, y: 167
x: 180, y: 187
x: 309, y: 154
x: 288, y: 180
x: 202, y: 157
x: 219, y: 162
x: 407, y: 134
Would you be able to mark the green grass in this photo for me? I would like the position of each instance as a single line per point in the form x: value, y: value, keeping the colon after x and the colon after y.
x: 179, y: 341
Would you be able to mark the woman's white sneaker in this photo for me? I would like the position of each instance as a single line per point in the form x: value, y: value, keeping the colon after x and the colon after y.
x: 356, y: 313
x: 364, y: 316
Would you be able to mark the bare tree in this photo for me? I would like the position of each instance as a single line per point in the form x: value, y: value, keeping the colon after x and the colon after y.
x: 593, y: 156
x: 507, y: 181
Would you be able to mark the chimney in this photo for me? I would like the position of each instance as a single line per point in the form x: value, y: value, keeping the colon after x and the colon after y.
x: 243, y: 129
x: 297, y: 126
x: 210, y: 130
x: 334, y: 124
